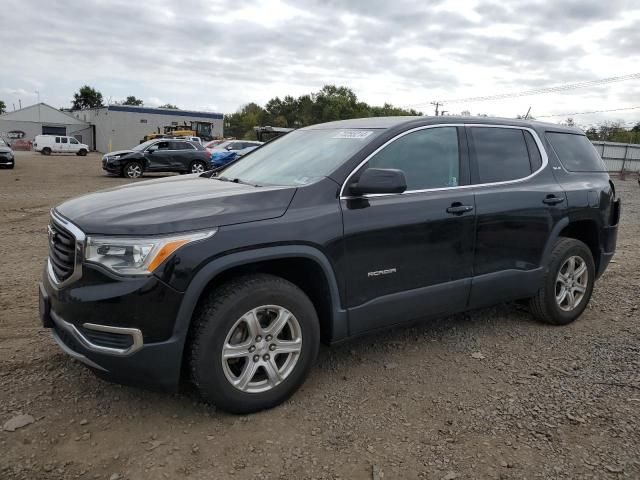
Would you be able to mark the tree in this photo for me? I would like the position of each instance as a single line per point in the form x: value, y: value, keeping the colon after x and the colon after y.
x: 131, y: 100
x: 87, y: 97
x: 169, y: 106
x: 330, y: 103
x: 569, y: 122
x: 592, y: 133
x: 3, y: 107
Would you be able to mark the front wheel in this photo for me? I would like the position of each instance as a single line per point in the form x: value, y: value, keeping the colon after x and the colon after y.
x: 82, y: 153
x: 567, y: 285
x: 198, y: 166
x: 253, y: 343
x: 132, y: 170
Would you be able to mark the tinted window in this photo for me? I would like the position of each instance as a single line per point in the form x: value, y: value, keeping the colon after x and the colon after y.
x: 73, y: 140
x: 576, y: 152
x: 237, y: 146
x: 181, y: 146
x: 429, y: 158
x: 162, y: 145
x: 501, y: 154
x: 534, y: 153
x: 57, y: 139
x: 65, y: 139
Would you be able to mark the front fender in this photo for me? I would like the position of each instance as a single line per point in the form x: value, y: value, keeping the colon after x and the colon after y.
x: 338, y: 322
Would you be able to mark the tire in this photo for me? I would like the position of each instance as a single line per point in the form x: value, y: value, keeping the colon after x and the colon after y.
x: 549, y: 304
x: 46, y: 151
x: 82, y: 153
x: 221, y: 320
x: 197, y: 166
x: 132, y: 170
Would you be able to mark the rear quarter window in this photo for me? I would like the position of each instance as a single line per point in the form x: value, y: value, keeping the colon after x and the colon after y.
x: 575, y: 152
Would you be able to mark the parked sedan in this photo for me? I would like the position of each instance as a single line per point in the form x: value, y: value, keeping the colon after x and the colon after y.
x: 7, y: 159
x: 158, y: 155
x: 240, y: 147
x: 221, y: 158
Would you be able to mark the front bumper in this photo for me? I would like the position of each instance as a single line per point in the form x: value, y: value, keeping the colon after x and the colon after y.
x: 120, y: 328
x: 111, y: 167
x: 6, y: 161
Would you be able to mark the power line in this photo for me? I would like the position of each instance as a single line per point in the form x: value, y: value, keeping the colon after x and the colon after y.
x: 587, y: 113
x: 537, y: 91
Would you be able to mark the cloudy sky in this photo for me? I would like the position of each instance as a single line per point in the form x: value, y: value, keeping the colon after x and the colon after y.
x: 217, y: 55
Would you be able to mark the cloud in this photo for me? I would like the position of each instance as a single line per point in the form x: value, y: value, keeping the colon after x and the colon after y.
x: 223, y: 54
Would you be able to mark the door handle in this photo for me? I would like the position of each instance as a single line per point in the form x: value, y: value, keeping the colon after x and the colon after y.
x: 457, y: 208
x: 553, y: 200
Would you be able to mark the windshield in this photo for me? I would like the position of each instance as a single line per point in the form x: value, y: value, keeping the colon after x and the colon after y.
x: 300, y: 157
x: 142, y: 146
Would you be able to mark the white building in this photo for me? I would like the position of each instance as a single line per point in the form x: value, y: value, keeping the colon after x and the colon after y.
x: 119, y: 127
x: 21, y: 126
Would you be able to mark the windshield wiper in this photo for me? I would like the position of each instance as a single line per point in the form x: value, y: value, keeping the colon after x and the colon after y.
x: 236, y: 180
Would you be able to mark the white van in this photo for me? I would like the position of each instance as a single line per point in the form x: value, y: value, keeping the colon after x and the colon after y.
x: 48, y: 144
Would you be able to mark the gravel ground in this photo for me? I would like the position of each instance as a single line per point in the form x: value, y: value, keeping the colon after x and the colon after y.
x: 489, y: 394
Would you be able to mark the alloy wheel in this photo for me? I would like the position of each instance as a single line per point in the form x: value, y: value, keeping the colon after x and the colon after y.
x: 261, y: 349
x: 134, y: 171
x: 571, y: 283
x: 197, y: 167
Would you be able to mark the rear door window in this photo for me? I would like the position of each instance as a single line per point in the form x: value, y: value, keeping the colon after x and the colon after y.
x: 576, y: 152
x: 65, y: 139
x: 501, y: 154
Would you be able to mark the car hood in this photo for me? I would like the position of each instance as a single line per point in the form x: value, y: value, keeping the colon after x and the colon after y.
x: 174, y: 204
x: 5, y: 149
x: 119, y: 152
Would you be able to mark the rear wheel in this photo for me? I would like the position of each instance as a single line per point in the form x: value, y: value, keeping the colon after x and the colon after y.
x: 567, y: 285
x: 198, y: 166
x: 253, y: 343
x: 46, y: 151
x: 132, y: 170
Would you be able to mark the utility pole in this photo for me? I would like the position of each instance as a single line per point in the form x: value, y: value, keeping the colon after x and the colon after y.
x: 20, y: 103
x: 526, y: 115
x: 437, y: 105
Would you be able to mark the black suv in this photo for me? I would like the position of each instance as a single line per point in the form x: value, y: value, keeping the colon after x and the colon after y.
x: 161, y: 155
x: 232, y: 279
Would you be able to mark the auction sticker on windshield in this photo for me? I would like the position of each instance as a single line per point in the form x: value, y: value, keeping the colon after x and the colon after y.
x: 353, y: 134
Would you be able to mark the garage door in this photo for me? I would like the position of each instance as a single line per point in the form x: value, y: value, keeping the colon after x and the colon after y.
x: 49, y: 130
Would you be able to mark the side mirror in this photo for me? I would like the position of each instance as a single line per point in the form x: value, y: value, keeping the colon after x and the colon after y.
x: 228, y: 147
x: 379, y: 180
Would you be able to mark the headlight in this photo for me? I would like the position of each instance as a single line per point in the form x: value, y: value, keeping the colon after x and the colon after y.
x: 137, y: 256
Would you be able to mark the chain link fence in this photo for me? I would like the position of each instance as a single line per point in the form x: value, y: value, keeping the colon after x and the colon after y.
x: 619, y: 157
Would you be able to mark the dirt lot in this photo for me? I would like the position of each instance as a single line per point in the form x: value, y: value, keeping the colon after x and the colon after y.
x: 491, y: 394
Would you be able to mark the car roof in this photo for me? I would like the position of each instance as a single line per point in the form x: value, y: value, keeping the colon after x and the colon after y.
x: 391, y: 122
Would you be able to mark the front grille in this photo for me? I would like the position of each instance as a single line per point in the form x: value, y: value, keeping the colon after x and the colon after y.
x: 108, y: 339
x: 62, y: 251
